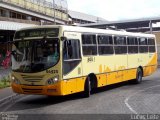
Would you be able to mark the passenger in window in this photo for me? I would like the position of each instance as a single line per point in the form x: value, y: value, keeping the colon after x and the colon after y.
x: 65, y: 51
x: 53, y: 55
x: 70, y: 52
x: 64, y: 54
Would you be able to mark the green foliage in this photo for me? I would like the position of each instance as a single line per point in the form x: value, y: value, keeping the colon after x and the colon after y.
x: 5, y: 82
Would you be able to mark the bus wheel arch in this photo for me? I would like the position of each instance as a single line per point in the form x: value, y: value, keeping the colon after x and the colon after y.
x: 140, y: 67
x: 93, y: 80
x: 90, y: 84
x: 139, y: 75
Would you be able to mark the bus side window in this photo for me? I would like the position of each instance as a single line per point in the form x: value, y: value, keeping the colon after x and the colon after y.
x: 67, y: 49
x: 71, y: 49
x: 71, y: 55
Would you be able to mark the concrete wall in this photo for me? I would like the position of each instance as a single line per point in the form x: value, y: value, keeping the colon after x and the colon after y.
x: 158, y: 44
x: 157, y: 36
x: 158, y: 50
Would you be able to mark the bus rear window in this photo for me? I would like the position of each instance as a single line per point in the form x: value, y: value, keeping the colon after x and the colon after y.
x: 50, y: 32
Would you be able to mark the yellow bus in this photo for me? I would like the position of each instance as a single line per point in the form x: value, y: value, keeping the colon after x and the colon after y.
x: 61, y: 60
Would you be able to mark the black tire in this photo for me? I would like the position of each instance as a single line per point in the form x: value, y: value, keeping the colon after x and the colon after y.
x: 139, y: 76
x: 87, y: 88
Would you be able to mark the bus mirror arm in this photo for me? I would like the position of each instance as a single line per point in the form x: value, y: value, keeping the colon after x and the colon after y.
x: 63, y: 39
x: 44, y: 37
x: 11, y: 42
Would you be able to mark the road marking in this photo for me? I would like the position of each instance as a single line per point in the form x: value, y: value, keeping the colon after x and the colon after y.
x: 13, y: 102
x: 127, y: 99
x: 8, y: 98
x: 127, y: 104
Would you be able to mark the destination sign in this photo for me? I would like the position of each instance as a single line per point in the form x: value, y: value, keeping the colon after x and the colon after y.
x: 50, y: 32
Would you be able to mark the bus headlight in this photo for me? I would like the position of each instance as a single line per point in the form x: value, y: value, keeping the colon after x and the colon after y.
x: 52, y: 80
x: 14, y: 80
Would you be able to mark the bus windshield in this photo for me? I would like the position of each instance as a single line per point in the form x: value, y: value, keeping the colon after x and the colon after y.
x: 35, y: 55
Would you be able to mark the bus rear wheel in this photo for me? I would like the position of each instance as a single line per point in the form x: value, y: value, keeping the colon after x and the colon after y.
x: 139, y: 76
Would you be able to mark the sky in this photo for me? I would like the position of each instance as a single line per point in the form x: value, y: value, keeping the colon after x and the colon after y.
x: 113, y: 10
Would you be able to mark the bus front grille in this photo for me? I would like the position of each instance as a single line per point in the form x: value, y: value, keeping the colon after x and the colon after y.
x: 32, y: 78
x: 28, y: 90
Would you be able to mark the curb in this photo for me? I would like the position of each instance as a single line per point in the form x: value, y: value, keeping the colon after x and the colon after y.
x: 8, y: 99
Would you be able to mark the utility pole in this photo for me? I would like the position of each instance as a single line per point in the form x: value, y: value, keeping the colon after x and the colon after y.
x: 151, y: 27
x: 54, y: 11
x: 98, y: 20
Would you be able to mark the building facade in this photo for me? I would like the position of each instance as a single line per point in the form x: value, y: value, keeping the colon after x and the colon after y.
x: 17, y: 14
x: 157, y: 34
x: 76, y: 18
x: 33, y: 11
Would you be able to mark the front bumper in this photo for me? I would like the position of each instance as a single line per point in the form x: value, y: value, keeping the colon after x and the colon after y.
x: 51, y: 90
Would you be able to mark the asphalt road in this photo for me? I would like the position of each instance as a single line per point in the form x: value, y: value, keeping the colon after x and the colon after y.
x: 122, y: 98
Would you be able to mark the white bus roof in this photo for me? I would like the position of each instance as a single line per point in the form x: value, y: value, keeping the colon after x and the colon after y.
x: 92, y: 30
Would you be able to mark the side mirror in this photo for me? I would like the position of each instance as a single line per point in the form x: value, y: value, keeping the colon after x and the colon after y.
x: 13, y: 52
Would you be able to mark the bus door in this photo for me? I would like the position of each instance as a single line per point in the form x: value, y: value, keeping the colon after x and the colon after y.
x: 72, y: 65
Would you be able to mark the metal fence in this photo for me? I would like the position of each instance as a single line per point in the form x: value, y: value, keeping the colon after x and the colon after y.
x: 4, y: 72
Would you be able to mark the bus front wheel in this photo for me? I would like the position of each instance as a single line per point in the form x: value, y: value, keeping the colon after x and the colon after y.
x: 87, y: 88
